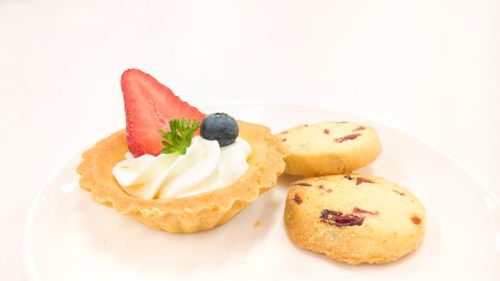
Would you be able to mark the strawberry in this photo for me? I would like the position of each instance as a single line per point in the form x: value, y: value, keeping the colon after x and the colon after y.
x: 149, y: 106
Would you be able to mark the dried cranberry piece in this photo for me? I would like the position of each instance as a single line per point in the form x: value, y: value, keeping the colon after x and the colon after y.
x: 326, y: 131
x: 298, y: 200
x: 360, y: 128
x: 326, y: 214
x: 348, y: 177
x: 346, y: 138
x: 360, y: 180
x: 361, y: 211
x: 416, y: 220
x: 337, y: 218
x: 348, y: 220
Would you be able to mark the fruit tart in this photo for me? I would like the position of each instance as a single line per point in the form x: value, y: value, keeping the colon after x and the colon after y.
x: 175, y: 168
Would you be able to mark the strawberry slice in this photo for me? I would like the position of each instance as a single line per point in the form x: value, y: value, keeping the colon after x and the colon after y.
x: 149, y: 106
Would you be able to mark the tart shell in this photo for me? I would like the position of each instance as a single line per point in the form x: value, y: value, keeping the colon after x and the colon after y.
x: 189, y: 214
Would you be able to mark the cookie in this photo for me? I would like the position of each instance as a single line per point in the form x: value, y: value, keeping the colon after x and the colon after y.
x: 329, y: 148
x: 354, y: 218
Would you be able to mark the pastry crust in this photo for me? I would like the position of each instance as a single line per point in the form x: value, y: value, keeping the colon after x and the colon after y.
x: 189, y: 214
x: 329, y: 148
x: 381, y: 221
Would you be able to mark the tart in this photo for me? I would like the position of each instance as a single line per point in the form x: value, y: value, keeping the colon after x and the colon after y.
x: 193, y: 213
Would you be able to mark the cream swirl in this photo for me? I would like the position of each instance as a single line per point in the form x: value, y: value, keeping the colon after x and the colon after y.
x: 204, y: 167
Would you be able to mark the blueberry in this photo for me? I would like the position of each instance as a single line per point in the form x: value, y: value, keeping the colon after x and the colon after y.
x: 220, y: 127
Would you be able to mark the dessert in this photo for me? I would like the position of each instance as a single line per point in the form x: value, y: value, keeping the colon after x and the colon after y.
x: 329, y: 148
x: 354, y: 218
x: 177, y: 169
x: 163, y: 173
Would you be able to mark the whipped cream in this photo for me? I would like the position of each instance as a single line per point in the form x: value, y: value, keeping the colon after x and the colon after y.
x: 205, y: 166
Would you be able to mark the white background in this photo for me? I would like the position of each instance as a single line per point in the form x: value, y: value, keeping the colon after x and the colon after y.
x: 429, y: 68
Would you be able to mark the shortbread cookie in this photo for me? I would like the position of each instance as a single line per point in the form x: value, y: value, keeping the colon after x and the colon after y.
x: 329, y: 148
x: 354, y: 218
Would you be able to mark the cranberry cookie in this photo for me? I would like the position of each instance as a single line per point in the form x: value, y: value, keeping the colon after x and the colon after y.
x: 354, y: 218
x: 329, y: 148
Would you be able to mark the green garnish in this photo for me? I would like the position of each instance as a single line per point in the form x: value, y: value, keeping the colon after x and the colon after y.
x: 180, y: 135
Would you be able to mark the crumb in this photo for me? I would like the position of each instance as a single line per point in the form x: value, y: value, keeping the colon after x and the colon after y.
x: 256, y: 223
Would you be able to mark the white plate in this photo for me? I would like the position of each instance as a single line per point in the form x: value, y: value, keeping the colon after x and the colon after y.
x: 69, y: 237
